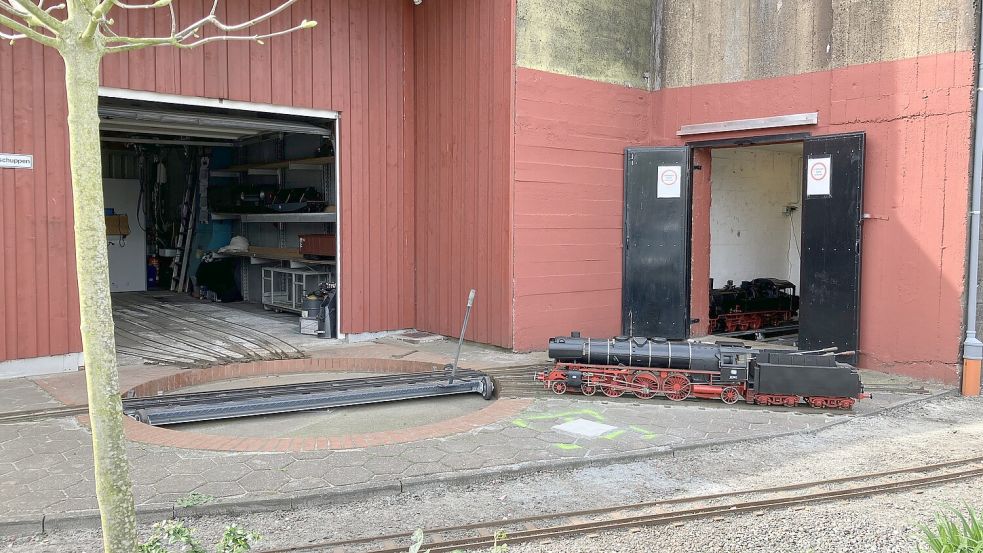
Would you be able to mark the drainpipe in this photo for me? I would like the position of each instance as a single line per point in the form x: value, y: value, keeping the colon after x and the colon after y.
x: 972, y: 347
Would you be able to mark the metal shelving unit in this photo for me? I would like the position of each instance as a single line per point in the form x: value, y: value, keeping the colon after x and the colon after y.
x: 277, y: 217
x: 247, y: 223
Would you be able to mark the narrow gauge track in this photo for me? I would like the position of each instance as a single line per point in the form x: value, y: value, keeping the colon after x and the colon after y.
x: 509, y: 381
x: 554, y: 525
x: 42, y: 414
x: 518, y: 380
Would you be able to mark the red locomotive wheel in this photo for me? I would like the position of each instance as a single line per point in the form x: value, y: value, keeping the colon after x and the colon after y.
x: 559, y: 387
x: 677, y: 387
x: 588, y: 389
x: 614, y: 387
x: 730, y: 395
x: 647, y: 385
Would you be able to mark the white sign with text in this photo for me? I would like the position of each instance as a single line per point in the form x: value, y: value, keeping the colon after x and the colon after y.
x: 16, y: 161
x: 817, y: 175
x: 670, y: 177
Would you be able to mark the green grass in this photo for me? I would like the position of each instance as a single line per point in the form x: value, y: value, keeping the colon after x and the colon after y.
x: 955, y: 533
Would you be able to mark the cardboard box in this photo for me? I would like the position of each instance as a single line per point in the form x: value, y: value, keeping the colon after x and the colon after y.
x: 117, y: 225
x: 317, y: 245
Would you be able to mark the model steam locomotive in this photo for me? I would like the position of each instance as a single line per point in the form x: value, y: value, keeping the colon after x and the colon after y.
x: 755, y: 304
x: 677, y: 370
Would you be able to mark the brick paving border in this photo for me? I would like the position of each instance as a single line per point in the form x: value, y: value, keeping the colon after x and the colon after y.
x: 140, y: 432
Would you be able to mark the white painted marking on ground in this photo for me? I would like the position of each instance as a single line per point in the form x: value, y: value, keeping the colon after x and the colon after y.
x: 584, y: 427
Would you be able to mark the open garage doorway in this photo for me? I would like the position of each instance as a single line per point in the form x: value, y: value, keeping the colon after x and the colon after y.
x: 222, y: 225
x: 760, y: 208
x: 755, y: 242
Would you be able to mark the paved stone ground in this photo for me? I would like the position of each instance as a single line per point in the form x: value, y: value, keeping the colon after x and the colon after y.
x: 46, y: 467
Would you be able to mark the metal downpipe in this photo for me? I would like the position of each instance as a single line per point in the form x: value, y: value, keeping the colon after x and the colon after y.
x: 972, y: 347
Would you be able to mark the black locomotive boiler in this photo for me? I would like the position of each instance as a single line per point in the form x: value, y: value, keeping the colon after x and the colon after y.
x: 677, y: 370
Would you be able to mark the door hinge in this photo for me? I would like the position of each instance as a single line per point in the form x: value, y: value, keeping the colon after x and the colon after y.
x: 631, y: 159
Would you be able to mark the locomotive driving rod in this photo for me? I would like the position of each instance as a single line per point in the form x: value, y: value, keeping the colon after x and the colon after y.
x: 460, y: 342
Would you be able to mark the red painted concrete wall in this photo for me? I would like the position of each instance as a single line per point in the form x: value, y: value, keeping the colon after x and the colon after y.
x: 570, y: 136
x: 352, y: 62
x: 916, y: 113
x: 463, y: 56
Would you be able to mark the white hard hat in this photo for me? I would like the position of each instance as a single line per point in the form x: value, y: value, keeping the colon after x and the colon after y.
x: 239, y: 243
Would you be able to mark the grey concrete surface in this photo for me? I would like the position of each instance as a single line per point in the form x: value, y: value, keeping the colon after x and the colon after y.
x: 21, y: 394
x: 708, y: 41
x: 605, y: 41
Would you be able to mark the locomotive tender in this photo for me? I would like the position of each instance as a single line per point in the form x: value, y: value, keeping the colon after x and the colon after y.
x: 649, y: 367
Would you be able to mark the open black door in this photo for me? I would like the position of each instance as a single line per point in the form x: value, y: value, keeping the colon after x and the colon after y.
x: 655, y: 291
x: 832, y: 214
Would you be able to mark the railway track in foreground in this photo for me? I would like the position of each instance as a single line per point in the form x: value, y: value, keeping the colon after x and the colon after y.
x: 662, y: 512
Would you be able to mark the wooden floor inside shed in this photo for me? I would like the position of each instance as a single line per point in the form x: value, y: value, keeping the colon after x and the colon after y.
x: 168, y: 328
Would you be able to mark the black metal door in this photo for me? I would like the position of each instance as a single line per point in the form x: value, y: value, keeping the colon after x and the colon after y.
x: 655, y: 291
x: 832, y: 213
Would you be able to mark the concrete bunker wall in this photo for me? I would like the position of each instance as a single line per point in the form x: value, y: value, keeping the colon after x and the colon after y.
x: 901, y: 73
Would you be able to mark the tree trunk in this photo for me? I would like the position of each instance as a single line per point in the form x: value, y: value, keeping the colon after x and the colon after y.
x: 114, y: 490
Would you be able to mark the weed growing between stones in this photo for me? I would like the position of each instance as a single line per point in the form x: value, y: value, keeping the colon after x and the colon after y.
x: 174, y: 533
x: 194, y: 498
x: 499, y: 545
x: 962, y: 533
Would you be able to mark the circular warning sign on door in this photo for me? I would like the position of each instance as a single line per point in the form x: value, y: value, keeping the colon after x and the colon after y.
x: 818, y: 183
x: 669, y: 178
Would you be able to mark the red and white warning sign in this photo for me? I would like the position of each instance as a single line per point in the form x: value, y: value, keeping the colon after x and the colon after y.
x: 670, y: 178
x: 817, y: 176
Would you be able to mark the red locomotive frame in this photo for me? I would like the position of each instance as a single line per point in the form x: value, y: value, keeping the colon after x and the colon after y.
x: 673, y: 384
x: 750, y: 320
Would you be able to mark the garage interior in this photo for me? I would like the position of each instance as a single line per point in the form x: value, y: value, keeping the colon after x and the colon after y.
x: 755, y: 242
x: 222, y: 230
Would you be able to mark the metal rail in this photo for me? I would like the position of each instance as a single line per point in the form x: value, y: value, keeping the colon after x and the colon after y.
x: 533, y: 527
x: 143, y: 402
x: 188, y: 398
x: 41, y: 414
x: 289, y: 398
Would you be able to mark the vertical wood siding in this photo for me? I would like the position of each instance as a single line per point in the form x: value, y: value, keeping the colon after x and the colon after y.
x: 352, y: 62
x: 571, y: 135
x: 463, y: 55
x: 38, y: 294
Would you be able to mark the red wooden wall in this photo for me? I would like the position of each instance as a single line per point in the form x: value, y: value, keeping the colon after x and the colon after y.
x: 352, y: 62
x: 38, y: 290
x: 463, y: 54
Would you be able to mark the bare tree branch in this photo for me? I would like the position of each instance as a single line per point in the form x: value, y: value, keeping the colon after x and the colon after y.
x: 35, y: 15
x: 133, y: 43
x: 182, y: 38
x: 25, y: 32
x: 125, y: 6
